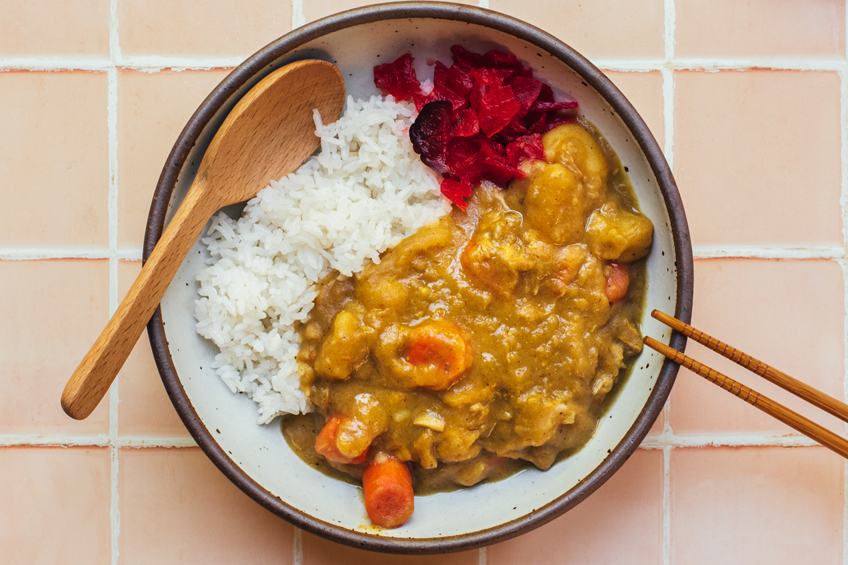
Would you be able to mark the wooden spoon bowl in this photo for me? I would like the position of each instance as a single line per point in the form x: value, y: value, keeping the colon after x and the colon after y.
x: 267, y: 135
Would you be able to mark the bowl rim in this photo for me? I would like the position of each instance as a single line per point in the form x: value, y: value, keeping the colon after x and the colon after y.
x: 648, y: 145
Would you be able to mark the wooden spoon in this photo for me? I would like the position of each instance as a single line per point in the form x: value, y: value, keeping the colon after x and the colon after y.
x: 267, y: 135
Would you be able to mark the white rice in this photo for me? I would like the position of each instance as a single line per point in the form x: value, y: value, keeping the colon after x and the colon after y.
x: 364, y: 192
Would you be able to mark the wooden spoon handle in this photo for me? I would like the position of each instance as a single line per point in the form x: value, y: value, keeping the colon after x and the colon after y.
x: 92, y: 378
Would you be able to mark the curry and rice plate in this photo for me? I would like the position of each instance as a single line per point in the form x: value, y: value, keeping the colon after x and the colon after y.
x: 465, y: 343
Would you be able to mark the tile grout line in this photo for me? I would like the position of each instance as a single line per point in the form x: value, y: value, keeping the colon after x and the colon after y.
x: 155, y: 63
x: 666, y: 505
x: 298, y: 16
x: 100, y: 440
x: 114, y: 399
x: 663, y: 440
x: 297, y: 546
x: 843, y: 264
x: 767, y: 252
x: 48, y: 253
x: 843, y: 201
x: 668, y: 133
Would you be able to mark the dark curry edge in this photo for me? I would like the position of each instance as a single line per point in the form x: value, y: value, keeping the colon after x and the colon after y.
x: 680, y: 232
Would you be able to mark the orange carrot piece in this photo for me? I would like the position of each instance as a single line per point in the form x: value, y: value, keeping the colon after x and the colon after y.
x: 441, y: 346
x: 325, y: 443
x: 618, y: 281
x: 387, y: 485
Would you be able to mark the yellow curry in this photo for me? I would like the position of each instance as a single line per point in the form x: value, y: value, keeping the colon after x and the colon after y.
x: 488, y: 338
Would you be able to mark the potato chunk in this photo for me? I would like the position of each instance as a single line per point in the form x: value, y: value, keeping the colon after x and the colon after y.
x: 618, y: 235
x: 554, y: 204
x: 573, y: 146
x: 345, y: 349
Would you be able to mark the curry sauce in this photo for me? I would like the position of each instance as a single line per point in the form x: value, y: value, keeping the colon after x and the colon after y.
x: 487, y: 339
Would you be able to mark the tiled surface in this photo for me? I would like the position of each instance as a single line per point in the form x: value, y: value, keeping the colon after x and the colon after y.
x: 631, y: 30
x: 153, y: 108
x: 55, y: 505
x: 54, y: 145
x: 748, y: 100
x: 318, y: 551
x: 620, y: 523
x: 645, y: 92
x: 317, y: 9
x: 42, y: 27
x: 146, y: 410
x: 59, y: 308
x: 754, y: 28
x: 200, y: 28
x: 810, y: 317
x: 756, y: 505
x: 752, y: 171
x: 203, y: 508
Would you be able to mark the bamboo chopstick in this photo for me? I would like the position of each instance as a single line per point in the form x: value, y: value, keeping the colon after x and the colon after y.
x: 789, y: 417
x: 781, y: 379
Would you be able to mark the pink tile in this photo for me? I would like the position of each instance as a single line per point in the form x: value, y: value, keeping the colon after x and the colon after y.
x: 620, y: 523
x: 757, y: 163
x: 153, y: 108
x: 318, y: 551
x: 201, y: 28
x: 54, y: 159
x: 58, y: 308
x: 788, y: 314
x: 760, y: 28
x: 756, y: 505
x: 73, y: 27
x: 145, y: 409
x: 657, y: 428
x: 55, y: 505
x: 317, y: 9
x: 603, y: 29
x: 177, y: 507
x: 644, y: 90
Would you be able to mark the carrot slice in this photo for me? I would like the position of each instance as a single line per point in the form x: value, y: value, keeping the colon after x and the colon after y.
x: 325, y: 443
x: 440, y: 353
x: 387, y: 484
x: 618, y: 281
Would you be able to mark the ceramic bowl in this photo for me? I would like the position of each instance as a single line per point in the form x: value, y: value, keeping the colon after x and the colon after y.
x: 256, y: 458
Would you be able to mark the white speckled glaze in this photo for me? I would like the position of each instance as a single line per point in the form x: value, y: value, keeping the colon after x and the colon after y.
x: 225, y: 424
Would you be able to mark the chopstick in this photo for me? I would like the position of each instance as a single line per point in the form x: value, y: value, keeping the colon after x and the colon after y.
x: 781, y: 379
x: 789, y: 417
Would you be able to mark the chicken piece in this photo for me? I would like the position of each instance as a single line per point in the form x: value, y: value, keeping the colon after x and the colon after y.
x: 539, y: 414
x: 566, y: 265
x: 495, y: 256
